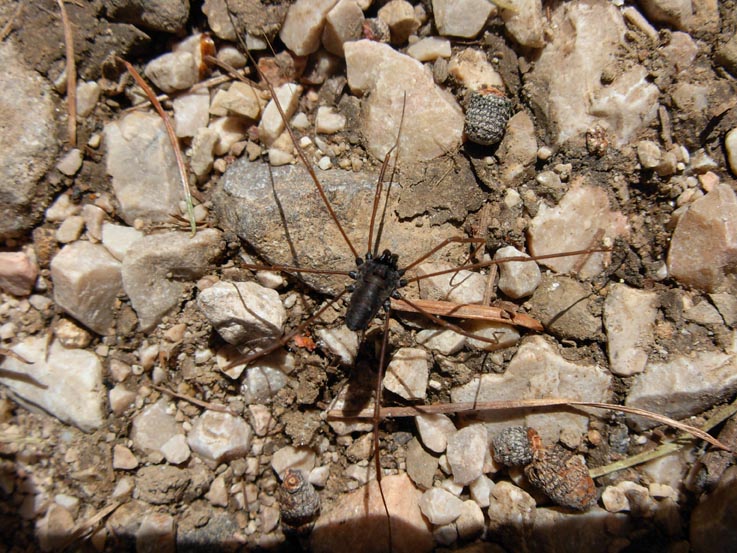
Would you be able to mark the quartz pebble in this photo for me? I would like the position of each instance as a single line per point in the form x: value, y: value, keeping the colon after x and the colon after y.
x: 343, y: 23
x: 71, y: 381
x: 430, y: 49
x: 407, y: 373
x: 480, y: 490
x: 123, y: 458
x: 434, y: 430
x: 217, y: 495
x: 175, y: 450
x: 240, y: 99
x: 71, y: 162
x: 219, y: 436
x: 457, y: 287
x: 442, y: 340
x: 421, y: 465
x: 173, y: 71
x: 341, y: 342
x: 55, y: 529
x: 399, y: 16
x: 303, y: 26
x: 440, y: 506
x: 453, y: 17
x: 471, y: 68
x: 191, y: 112
x: 87, y: 281
x: 120, y: 398
x: 153, y: 427
x: 629, y: 319
x: 470, y: 523
x: 466, y: 453
x: 157, y: 532
x: 271, y: 125
x: 243, y: 311
x: 327, y: 121
x: 295, y: 458
x: 88, y: 92
x: 118, y: 238
x: 517, y: 279
x: 262, y: 381
x: 524, y: 20
x: 70, y: 230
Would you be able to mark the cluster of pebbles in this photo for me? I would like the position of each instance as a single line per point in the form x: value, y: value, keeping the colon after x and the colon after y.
x: 126, y: 418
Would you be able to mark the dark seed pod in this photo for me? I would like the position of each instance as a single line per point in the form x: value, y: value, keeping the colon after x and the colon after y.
x: 298, y: 500
x: 486, y: 116
x: 563, y: 477
x: 513, y: 446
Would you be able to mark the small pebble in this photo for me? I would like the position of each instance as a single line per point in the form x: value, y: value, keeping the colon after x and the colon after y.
x: 440, y: 506
x: 71, y: 162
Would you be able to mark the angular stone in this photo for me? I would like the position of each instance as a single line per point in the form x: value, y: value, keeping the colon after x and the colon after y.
x: 343, y: 23
x: 70, y: 230
x: 537, y: 371
x: 219, y: 436
x: 517, y: 151
x: 433, y: 121
x: 466, y: 453
x: 675, y: 13
x: 272, y: 125
x: 581, y: 214
x: 295, y: 458
x: 524, y: 20
x: 262, y: 382
x: 153, y: 427
x: 240, y: 99
x: 140, y: 161
x: 175, y: 450
x: 357, y: 522
x: 566, y: 307
x: 435, y: 430
x: 399, y: 16
x: 444, y: 341
x: 162, y: 484
x: 480, y: 490
x: 123, y: 458
x: 243, y: 311
x: 18, y: 273
x: 517, y: 279
x: 191, y: 112
x: 471, y: 521
x: 303, y: 25
x: 629, y: 319
x: 56, y: 529
x: 457, y: 287
x: 511, y: 509
x: 67, y: 383
x: 429, y: 49
x: 328, y: 122
x: 341, y: 342
x: 157, y: 534
x: 161, y: 268
x: 87, y: 281
x: 421, y: 465
x: 118, y: 238
x: 683, y: 386
x: 464, y: 18
x: 408, y: 373
x: 440, y: 506
x: 173, y: 71
x: 471, y: 68
x: 703, y: 249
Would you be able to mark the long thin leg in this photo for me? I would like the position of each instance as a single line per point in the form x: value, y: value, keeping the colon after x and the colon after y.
x: 377, y: 411
x: 292, y: 269
x: 444, y: 243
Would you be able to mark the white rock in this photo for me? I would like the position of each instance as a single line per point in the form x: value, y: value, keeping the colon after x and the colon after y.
x: 61, y: 209
x: 228, y: 130
x: 88, y: 92
x: 173, y: 71
x: 67, y: 383
x: 120, y: 399
x: 615, y: 498
x: 218, y: 493
x: 71, y: 162
x: 343, y: 23
x: 730, y: 145
x: 457, y: 286
x: 440, y: 506
x: 70, y: 230
x: 435, y: 430
x: 123, y: 458
x: 303, y: 25
x: 93, y: 217
x: 153, y: 427
x: 510, y: 507
x: 140, y: 159
x: 123, y: 488
x: 340, y: 341
x: 240, y: 99
x: 480, y: 490
x: 672, y: 12
x: 471, y: 68
x: 399, y: 16
x: 219, y: 436
x: 629, y: 319
x: 517, y: 279
x: 272, y: 125
x: 463, y: 18
x: 466, y: 452
x: 433, y: 121
x: 583, y: 212
x: 444, y: 341
x: 471, y: 522
x: 327, y: 121
x: 162, y: 267
x: 87, y: 281
x: 295, y: 458
x: 407, y: 373
x: 649, y: 154
x: 261, y: 419
x: 175, y: 450
x: 218, y: 20
x: 319, y: 476
x: 429, y: 49
x: 203, y: 149
x: 243, y: 311
x: 538, y: 371
x: 118, y: 238
x: 191, y: 112
x: 683, y: 386
x: 524, y: 21
x: 262, y: 382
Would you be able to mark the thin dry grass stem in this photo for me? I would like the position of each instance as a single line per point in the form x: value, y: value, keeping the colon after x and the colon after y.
x: 195, y: 401
x: 172, y: 138
x: 71, y: 76
x: 468, y: 311
x: 9, y: 25
x: 464, y: 407
x: 86, y: 527
x: 681, y: 441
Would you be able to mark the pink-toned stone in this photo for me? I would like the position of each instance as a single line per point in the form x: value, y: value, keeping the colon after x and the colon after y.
x: 17, y: 273
x: 583, y: 213
x: 704, y: 244
x: 357, y: 522
x: 303, y: 26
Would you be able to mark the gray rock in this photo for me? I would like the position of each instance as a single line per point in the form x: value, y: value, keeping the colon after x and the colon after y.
x: 537, y: 371
x: 517, y: 279
x: 683, y: 386
x: 87, y: 281
x: 433, y: 121
x: 517, y: 152
x: 67, y: 383
x: 344, y: 22
x: 243, y: 311
x: 219, y: 436
x: 141, y: 163
x: 169, y: 16
x: 28, y: 143
x: 566, y: 308
x: 315, y: 238
x: 629, y: 319
x: 407, y: 373
x: 421, y: 465
x: 466, y: 453
x: 161, y: 267
x: 263, y: 381
x: 703, y: 249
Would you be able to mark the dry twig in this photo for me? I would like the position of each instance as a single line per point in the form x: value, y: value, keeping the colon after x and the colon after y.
x: 71, y: 76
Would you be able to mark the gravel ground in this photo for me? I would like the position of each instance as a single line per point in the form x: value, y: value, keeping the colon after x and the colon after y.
x: 554, y: 128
